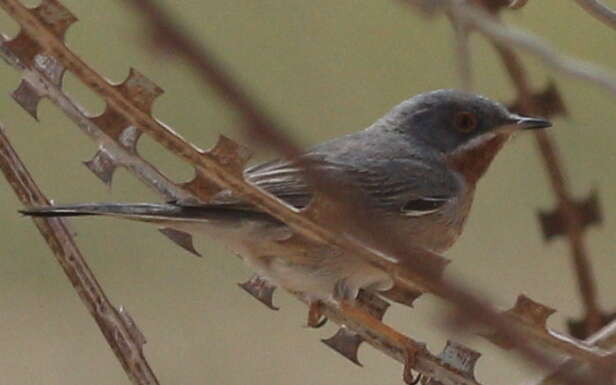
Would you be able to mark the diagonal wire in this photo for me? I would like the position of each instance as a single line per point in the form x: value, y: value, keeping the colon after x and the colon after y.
x: 117, y: 326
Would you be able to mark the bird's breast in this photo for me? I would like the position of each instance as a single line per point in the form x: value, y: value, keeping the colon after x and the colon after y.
x: 474, y: 161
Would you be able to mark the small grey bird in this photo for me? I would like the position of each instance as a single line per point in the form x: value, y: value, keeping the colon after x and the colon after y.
x: 418, y: 164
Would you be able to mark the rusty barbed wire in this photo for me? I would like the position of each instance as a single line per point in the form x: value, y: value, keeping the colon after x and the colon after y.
x: 571, y: 217
x: 166, y: 33
x: 116, y: 325
x: 599, y: 11
x: 107, y: 131
x: 130, y: 102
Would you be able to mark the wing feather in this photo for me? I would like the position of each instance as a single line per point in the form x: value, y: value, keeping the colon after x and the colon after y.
x: 396, y: 185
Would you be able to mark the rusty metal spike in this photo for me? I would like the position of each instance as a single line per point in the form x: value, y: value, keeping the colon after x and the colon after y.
x: 345, y: 342
x: 372, y: 304
x: 230, y: 154
x: 51, y: 68
x: 55, y: 16
x: 460, y: 358
x: 102, y: 165
x: 140, y: 90
x: 180, y: 238
x: 404, y: 297
x: 547, y: 103
x: 27, y: 97
x: 530, y: 312
x: 200, y: 186
x: 118, y: 128
x: 23, y: 47
x: 260, y: 289
x: 550, y: 101
x: 553, y: 223
x: 527, y: 311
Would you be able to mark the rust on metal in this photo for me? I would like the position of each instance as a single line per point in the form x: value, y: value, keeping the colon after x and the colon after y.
x: 140, y: 90
x: 261, y: 289
x: 345, y: 342
x: 230, y: 154
x: 461, y: 358
x: 553, y: 223
x: 27, y: 97
x: 530, y: 311
x: 55, y: 16
x: 180, y: 238
x: 102, y: 165
x: 547, y: 103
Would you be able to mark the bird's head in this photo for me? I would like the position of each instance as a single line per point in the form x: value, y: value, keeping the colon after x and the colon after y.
x: 466, y: 129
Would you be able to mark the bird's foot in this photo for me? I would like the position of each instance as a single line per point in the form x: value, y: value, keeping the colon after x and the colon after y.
x: 316, y: 319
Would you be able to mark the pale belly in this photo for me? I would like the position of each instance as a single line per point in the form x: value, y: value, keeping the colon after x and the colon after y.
x: 320, y: 271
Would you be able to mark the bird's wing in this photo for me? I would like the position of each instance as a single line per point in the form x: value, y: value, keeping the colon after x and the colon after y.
x: 395, y: 185
x: 285, y: 180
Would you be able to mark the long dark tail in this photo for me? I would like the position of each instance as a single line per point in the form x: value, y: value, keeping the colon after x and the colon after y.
x: 113, y: 209
x: 149, y: 212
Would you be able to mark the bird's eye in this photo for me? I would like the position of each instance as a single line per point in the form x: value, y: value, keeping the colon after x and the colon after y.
x: 465, y: 121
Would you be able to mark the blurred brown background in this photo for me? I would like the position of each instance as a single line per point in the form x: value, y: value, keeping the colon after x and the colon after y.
x: 323, y: 68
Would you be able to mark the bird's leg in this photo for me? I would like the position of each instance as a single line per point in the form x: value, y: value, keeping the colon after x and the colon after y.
x: 345, y: 290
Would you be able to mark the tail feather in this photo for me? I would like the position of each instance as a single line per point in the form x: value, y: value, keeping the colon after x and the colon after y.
x: 149, y: 212
x: 114, y: 209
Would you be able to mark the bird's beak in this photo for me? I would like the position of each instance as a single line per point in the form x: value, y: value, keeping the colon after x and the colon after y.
x: 528, y: 123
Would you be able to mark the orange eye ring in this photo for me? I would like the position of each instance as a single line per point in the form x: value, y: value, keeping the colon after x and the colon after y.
x: 465, y: 122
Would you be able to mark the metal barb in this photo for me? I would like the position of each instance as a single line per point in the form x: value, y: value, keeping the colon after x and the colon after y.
x: 55, y: 16
x: 404, y: 297
x: 230, y: 154
x: 102, y: 165
x: 372, y: 304
x: 553, y: 223
x: 27, y: 97
x: 180, y: 238
x: 261, y: 289
x: 24, y: 48
x: 461, y: 358
x: 530, y: 311
x: 200, y: 186
x: 140, y: 90
x: 547, y: 103
x: 345, y: 342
